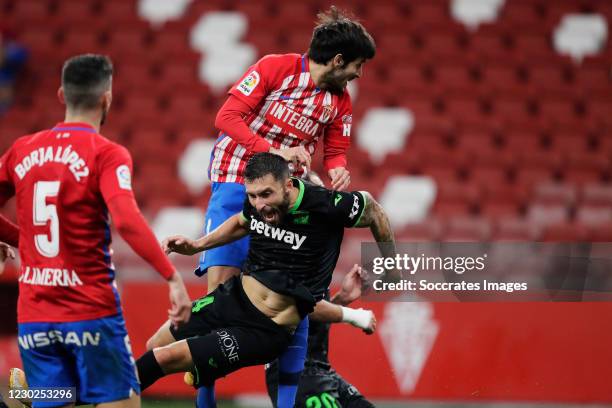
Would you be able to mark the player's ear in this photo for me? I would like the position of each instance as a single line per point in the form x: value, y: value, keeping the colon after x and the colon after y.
x: 107, y: 98
x: 61, y: 96
x: 338, y: 61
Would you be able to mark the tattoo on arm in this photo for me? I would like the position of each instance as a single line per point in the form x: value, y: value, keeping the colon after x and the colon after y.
x: 374, y: 216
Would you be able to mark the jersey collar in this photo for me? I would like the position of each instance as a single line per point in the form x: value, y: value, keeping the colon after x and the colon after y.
x: 300, y: 196
x: 73, y: 126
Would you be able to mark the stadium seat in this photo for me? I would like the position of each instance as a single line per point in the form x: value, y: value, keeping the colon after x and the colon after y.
x: 193, y: 165
x: 166, y: 42
x: 498, y: 206
x: 514, y: 229
x: 490, y: 47
x: 133, y: 77
x: 31, y: 12
x: 425, y: 231
x: 421, y: 190
x: 459, y: 194
x: 75, y: 10
x: 599, y: 109
x: 593, y: 215
x: 592, y: 77
x: 586, y: 167
x: 511, y: 108
x: 488, y: 174
x: 38, y: 39
x: 179, y: 74
x: 520, y: 14
x: 580, y: 34
x: 446, y: 46
x: 522, y: 141
x: 510, y: 193
x: 384, y: 130
x: 80, y: 42
x: 564, y: 232
x: 473, y: 13
x: 544, y: 214
x: 406, y: 76
x: 265, y: 42
x: 557, y: 108
x: 134, y: 38
x: 597, y: 194
x: 144, y: 104
x: 464, y: 107
x: 600, y: 233
x: 570, y: 142
x: 178, y: 220
x: 157, y: 12
x: 529, y: 45
x: 554, y: 193
x: 441, y: 171
x: 217, y: 29
x: 467, y: 229
x: 119, y: 10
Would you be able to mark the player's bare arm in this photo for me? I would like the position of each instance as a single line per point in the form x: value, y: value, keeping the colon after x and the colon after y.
x: 376, y: 219
x: 231, y: 230
x: 336, y: 310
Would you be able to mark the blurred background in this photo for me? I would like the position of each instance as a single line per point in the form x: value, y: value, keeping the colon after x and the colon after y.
x: 477, y: 120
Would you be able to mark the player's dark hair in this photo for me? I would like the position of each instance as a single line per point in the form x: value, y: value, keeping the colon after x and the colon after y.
x: 84, y: 79
x: 262, y: 164
x: 336, y: 33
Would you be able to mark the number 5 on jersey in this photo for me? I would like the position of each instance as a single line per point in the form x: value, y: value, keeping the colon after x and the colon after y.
x: 46, y: 244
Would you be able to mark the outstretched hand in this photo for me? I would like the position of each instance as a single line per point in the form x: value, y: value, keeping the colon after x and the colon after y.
x: 352, y: 285
x: 180, y: 245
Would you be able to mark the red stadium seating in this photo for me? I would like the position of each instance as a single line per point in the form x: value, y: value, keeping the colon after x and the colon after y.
x: 499, y: 116
x: 515, y: 229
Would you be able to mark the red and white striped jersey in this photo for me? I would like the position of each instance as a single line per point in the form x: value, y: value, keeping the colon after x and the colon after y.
x: 287, y: 110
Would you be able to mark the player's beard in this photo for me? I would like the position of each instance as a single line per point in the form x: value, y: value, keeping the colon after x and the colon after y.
x: 336, y: 81
x: 280, y: 211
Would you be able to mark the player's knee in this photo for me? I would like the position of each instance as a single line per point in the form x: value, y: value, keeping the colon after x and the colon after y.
x: 173, y: 358
x: 152, y: 343
x: 155, y: 341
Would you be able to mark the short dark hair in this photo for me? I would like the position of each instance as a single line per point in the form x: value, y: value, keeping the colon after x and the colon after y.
x: 262, y: 164
x: 336, y: 33
x: 85, y: 78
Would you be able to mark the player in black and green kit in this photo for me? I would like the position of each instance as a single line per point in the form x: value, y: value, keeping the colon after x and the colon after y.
x: 295, y: 234
x: 320, y: 386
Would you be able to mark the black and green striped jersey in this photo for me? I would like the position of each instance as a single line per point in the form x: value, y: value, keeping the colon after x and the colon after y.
x: 297, y: 257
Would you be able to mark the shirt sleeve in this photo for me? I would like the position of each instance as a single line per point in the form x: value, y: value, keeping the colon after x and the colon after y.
x: 257, y: 82
x: 7, y: 187
x: 230, y: 120
x: 115, y: 167
x: 347, y: 207
x: 135, y: 231
x: 338, y: 136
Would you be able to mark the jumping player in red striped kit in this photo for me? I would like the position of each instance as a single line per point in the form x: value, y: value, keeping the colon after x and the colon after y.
x: 284, y: 104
